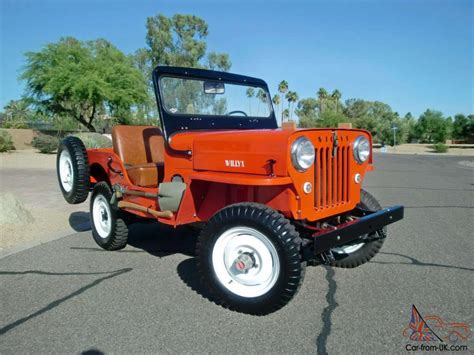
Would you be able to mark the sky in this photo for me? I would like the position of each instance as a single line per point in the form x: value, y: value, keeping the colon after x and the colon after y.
x: 411, y: 54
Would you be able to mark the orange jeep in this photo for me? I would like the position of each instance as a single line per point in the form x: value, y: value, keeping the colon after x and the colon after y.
x: 267, y: 200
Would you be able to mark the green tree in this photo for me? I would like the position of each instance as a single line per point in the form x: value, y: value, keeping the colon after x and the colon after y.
x: 262, y: 97
x: 276, y: 101
x: 322, y: 96
x: 462, y: 126
x: 410, y: 124
x: 432, y: 127
x: 179, y: 40
x: 307, y: 109
x: 282, y: 89
x: 470, y: 126
x: 18, y: 110
x: 292, y: 98
x: 80, y: 79
x: 218, y: 61
x: 330, y: 119
x: 336, y: 96
x: 376, y: 117
x: 250, y: 93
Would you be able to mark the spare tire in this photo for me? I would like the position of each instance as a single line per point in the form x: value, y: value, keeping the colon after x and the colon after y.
x: 72, y: 167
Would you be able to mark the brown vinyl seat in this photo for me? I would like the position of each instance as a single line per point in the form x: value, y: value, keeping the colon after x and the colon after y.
x: 142, y: 150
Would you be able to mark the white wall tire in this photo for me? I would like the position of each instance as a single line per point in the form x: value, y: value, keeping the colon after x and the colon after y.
x: 72, y: 168
x: 109, y: 230
x: 249, y: 257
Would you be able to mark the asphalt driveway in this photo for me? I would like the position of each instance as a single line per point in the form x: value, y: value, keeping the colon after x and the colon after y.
x: 68, y: 296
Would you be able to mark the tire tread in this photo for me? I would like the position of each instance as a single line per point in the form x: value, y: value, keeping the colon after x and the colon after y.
x: 286, y: 237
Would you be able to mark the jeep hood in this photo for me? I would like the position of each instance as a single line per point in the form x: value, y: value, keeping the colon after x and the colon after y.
x: 237, y: 151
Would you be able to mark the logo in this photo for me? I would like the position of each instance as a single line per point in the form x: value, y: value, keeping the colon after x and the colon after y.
x: 449, y: 336
x: 235, y: 163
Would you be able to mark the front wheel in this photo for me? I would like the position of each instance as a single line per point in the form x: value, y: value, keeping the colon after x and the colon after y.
x: 359, y: 252
x: 249, y: 257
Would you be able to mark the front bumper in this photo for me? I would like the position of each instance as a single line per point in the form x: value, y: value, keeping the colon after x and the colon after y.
x: 368, y: 223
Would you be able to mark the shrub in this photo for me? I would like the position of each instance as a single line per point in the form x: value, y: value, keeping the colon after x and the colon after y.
x: 45, y: 144
x: 6, y: 142
x: 440, y: 148
x: 15, y: 124
x: 94, y: 140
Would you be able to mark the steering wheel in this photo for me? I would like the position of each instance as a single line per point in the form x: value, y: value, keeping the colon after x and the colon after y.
x: 237, y: 111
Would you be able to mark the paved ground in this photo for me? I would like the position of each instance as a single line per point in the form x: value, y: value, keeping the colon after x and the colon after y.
x: 68, y: 296
x: 427, y: 149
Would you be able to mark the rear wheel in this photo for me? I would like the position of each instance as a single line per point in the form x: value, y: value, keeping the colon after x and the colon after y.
x: 249, y: 257
x: 72, y: 168
x: 357, y: 252
x: 109, y: 229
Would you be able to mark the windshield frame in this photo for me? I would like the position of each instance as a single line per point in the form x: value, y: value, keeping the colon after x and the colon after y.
x: 181, y: 122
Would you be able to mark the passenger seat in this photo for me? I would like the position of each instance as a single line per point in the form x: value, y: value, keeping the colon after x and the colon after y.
x: 142, y: 150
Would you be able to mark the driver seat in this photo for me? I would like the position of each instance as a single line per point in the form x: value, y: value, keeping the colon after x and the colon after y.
x: 142, y: 150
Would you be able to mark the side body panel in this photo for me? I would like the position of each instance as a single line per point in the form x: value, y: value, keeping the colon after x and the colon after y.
x: 213, y: 183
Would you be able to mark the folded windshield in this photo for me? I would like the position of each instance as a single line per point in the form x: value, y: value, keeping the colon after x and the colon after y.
x: 213, y: 98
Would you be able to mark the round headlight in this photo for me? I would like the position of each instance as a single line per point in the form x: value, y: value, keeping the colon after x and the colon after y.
x: 361, y: 149
x: 302, y: 154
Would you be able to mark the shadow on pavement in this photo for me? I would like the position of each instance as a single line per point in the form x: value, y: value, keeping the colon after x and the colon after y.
x: 37, y: 272
x: 80, y: 221
x: 59, y: 301
x: 161, y: 240
x: 416, y: 262
x: 92, y: 351
x: 153, y: 238
x: 188, y: 273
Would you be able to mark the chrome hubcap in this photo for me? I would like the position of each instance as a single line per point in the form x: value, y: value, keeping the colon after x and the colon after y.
x: 245, y: 262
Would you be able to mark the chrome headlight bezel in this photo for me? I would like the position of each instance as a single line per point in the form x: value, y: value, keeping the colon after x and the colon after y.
x: 302, y: 146
x: 361, y: 149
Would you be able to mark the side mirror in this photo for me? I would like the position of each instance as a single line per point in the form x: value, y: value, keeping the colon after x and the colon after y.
x: 214, y: 87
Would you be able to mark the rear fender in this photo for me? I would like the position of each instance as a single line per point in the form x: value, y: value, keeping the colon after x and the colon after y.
x: 107, y: 164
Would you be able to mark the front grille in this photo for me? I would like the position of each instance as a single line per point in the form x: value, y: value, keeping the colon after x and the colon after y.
x: 331, y: 185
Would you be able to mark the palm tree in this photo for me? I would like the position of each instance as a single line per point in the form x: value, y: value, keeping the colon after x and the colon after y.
x: 288, y: 98
x: 336, y: 95
x: 282, y: 89
x: 293, y: 98
x: 17, y: 110
x: 276, y: 100
x: 250, y: 93
x: 261, y: 96
x: 322, y: 95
